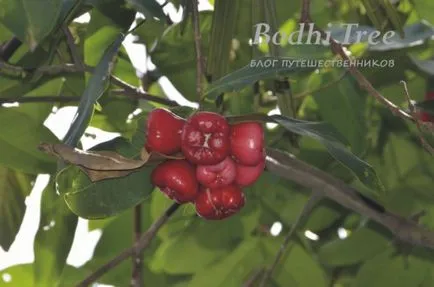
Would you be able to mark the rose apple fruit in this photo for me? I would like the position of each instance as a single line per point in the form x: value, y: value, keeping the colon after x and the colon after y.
x: 176, y: 179
x: 205, y: 138
x: 247, y: 143
x: 217, y: 175
x: 219, y: 203
x: 164, y: 130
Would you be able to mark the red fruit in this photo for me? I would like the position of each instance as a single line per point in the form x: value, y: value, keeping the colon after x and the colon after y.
x: 205, y: 138
x: 424, y: 116
x: 176, y: 179
x: 247, y: 175
x: 247, y: 143
x: 219, y: 203
x: 164, y: 132
x: 429, y: 95
x: 218, y: 175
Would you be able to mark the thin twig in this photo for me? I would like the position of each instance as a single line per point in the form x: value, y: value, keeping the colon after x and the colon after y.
x: 72, y: 99
x: 287, y: 166
x: 253, y: 278
x: 40, y: 99
x: 144, y: 242
x: 198, y: 48
x: 136, y: 92
x: 71, y: 68
x: 137, y: 258
x: 411, y: 107
x: 307, y: 209
x: 362, y: 81
x: 305, y: 11
x: 73, y: 48
x: 47, y: 70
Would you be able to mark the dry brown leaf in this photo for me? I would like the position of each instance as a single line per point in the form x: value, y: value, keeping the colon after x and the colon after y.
x: 99, y: 165
x: 101, y: 160
x: 97, y: 175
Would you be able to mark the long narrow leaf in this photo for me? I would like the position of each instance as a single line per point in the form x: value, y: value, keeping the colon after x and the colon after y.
x: 94, y: 90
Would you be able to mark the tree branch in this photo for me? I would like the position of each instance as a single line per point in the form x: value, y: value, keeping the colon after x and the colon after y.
x: 337, y: 49
x: 53, y: 70
x: 287, y: 166
x: 128, y: 89
x: 73, y: 99
x: 137, y: 92
x: 8, y: 49
x: 72, y: 48
x: 137, y: 275
x: 253, y: 278
x: 144, y: 242
x: 198, y: 48
x: 305, y: 11
x: 40, y: 99
x: 307, y: 209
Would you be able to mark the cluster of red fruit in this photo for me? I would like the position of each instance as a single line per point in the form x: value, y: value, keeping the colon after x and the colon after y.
x: 219, y: 160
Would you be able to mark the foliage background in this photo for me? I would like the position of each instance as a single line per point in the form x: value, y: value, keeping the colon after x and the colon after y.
x: 189, y: 251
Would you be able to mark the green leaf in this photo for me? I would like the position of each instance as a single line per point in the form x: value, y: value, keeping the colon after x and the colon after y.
x: 150, y: 8
x: 233, y: 270
x: 40, y: 111
x: 284, y: 202
x: 178, y: 221
x: 259, y: 69
x: 54, y: 238
x: 173, y: 53
x: 360, y: 245
x: 171, y: 253
x: 333, y: 141
x: 344, y: 101
x: 30, y: 20
x: 424, y: 9
x: 149, y: 32
x: 117, y: 233
x: 221, y: 37
x: 381, y: 13
x: 415, y: 34
x: 426, y: 66
x: 113, y: 117
x: 94, y: 89
x: 388, y: 269
x: 14, y: 188
x: 106, y: 197
x: 19, y: 142
x: 296, y: 268
x: 19, y: 275
x: 393, y: 16
x: 116, y: 10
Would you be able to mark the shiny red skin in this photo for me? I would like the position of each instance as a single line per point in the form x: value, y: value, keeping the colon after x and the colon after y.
x: 247, y: 143
x: 220, y: 203
x: 247, y: 175
x: 176, y: 179
x: 218, y: 175
x: 205, y: 138
x: 164, y: 130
